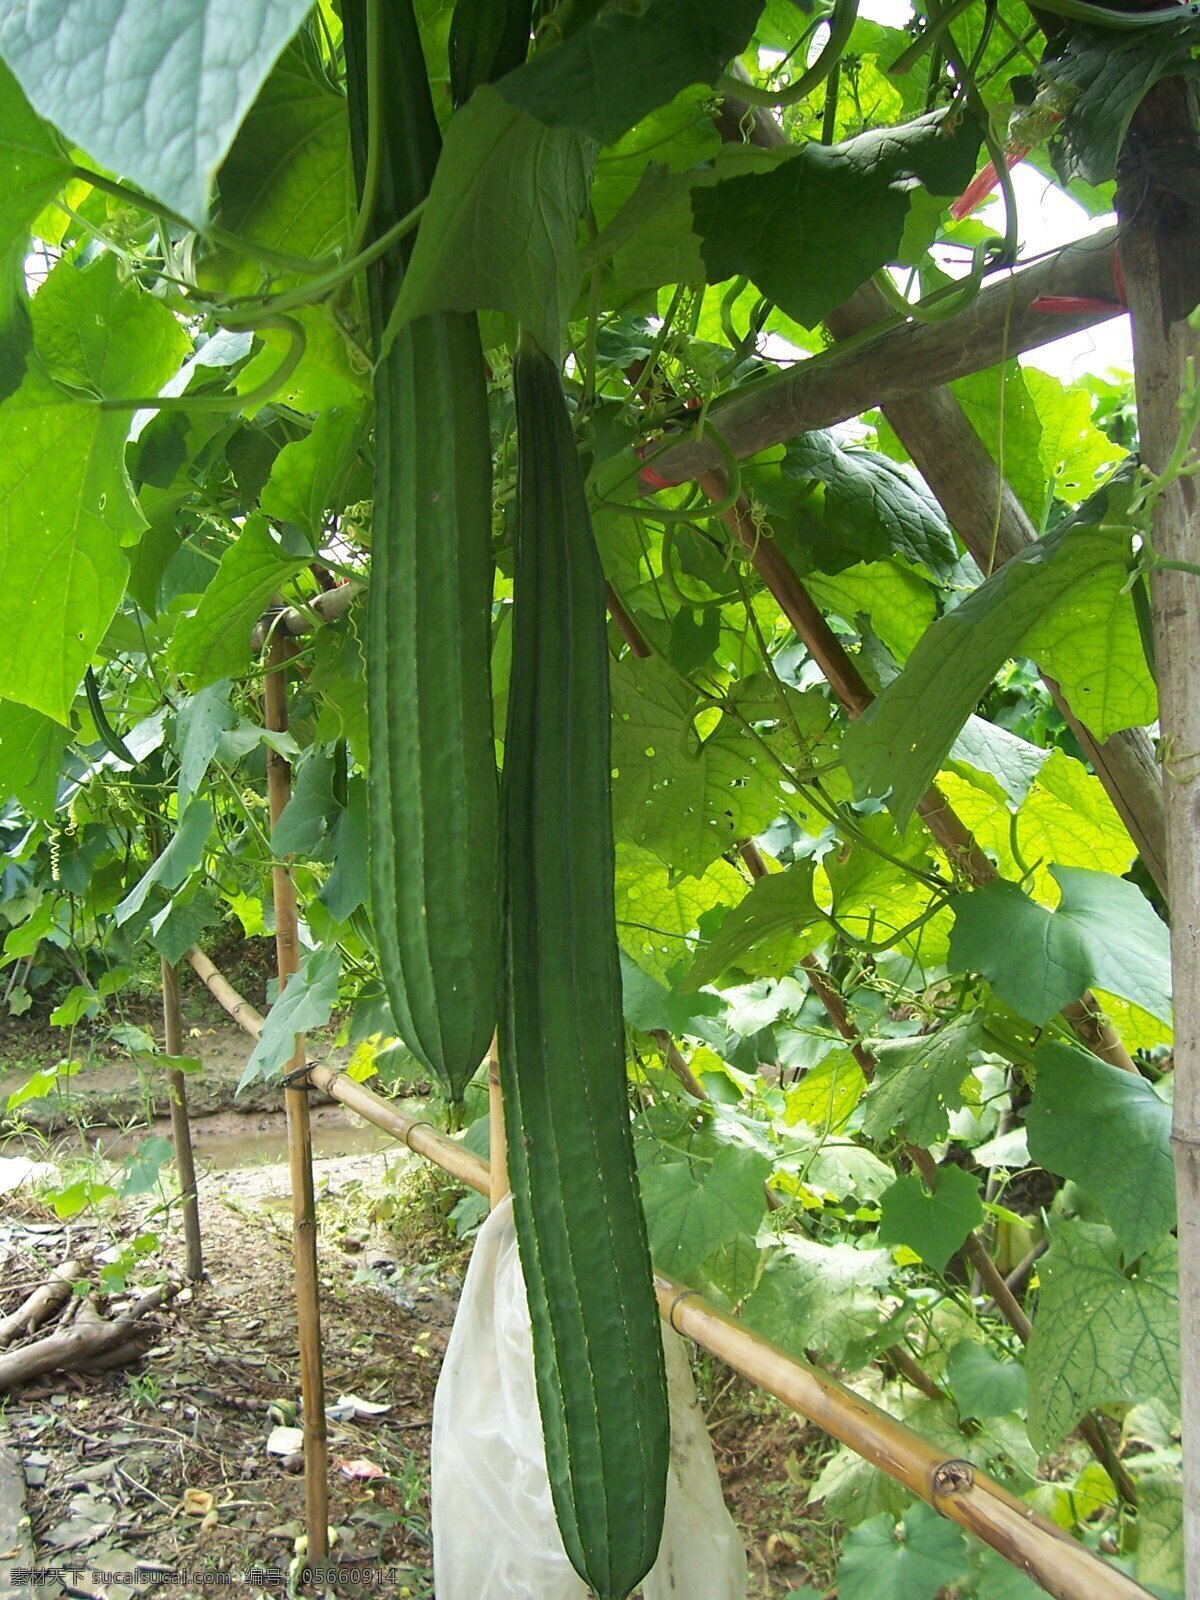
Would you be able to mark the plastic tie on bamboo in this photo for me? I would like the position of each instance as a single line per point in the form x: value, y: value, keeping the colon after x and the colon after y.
x: 494, y: 1530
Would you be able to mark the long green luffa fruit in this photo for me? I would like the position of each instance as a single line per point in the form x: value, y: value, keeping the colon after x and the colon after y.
x: 433, y: 811
x: 597, y: 1342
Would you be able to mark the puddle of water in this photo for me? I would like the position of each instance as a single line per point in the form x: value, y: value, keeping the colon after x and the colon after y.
x: 230, y: 1140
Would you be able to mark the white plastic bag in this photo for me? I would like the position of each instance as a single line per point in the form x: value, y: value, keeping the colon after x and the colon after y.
x: 494, y: 1532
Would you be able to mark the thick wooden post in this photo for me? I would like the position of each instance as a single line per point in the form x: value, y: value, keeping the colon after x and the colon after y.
x: 295, y: 1095
x: 1160, y: 251
x: 181, y: 1133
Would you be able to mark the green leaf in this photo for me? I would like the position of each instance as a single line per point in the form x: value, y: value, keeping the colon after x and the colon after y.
x: 827, y: 1094
x: 140, y: 1172
x: 179, y: 860
x: 1104, y: 931
x: 311, y: 810
x: 306, y: 1002
x: 820, y: 1297
x: 1109, y: 1132
x: 33, y: 164
x: 189, y: 70
x: 778, y: 922
x: 934, y: 1225
x: 65, y: 500
x: 1104, y: 79
x: 179, y: 924
x: 658, y: 911
x: 686, y: 798
x: 1074, y: 452
x: 308, y: 477
x: 1060, y: 600
x: 872, y: 503
x: 1100, y: 1337
x: 41, y: 1083
x: 1000, y: 408
x: 214, y: 642
x: 347, y: 886
x: 775, y: 227
x: 31, y: 749
x: 286, y: 183
x: 909, y: 1560
x: 498, y: 231
x: 650, y: 1005
x: 690, y: 1216
x: 624, y: 62
x: 919, y: 1082
x: 200, y: 720
x: 1067, y: 818
x: 898, y: 603
x: 992, y: 750
x: 984, y: 1386
x: 1160, y: 1561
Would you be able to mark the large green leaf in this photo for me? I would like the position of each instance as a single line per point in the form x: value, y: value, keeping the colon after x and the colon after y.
x: 33, y: 164
x: 822, y: 1297
x: 347, y: 886
x: 658, y: 910
x: 1103, y: 932
x: 306, y: 1002
x: 498, y: 232
x: 1110, y: 1133
x: 200, y: 720
x: 625, y: 61
x: 1104, y: 77
x: 31, y: 748
x: 775, y: 228
x: 308, y: 478
x: 183, y: 854
x: 912, y: 1560
x: 872, y: 503
x: 983, y: 1385
x: 777, y: 923
x: 286, y: 183
x: 66, y: 504
x: 1100, y: 1337
x: 934, y: 1225
x: 152, y: 89
x: 214, y: 642
x: 992, y: 750
x: 690, y: 1215
x: 685, y: 797
x: 919, y: 1082
x: 1061, y: 600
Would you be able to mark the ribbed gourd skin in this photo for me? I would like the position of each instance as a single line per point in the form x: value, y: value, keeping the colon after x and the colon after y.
x: 487, y: 39
x: 433, y: 797
x: 582, y: 1237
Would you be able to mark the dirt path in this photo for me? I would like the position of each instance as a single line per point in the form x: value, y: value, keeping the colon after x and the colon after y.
x: 171, y: 1464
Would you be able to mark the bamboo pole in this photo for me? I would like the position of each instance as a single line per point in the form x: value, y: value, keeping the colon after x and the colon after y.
x: 955, y: 1488
x: 1160, y: 251
x: 902, y: 357
x: 181, y: 1133
x: 960, y: 845
x: 295, y: 1096
x: 497, y: 1139
x: 993, y: 525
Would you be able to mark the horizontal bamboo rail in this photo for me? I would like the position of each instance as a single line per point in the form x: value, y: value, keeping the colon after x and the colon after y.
x: 903, y: 358
x: 954, y: 1488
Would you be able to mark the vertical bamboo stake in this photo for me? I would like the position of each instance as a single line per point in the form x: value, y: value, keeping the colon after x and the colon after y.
x: 181, y: 1133
x: 1160, y: 251
x: 295, y: 1096
x: 497, y: 1142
